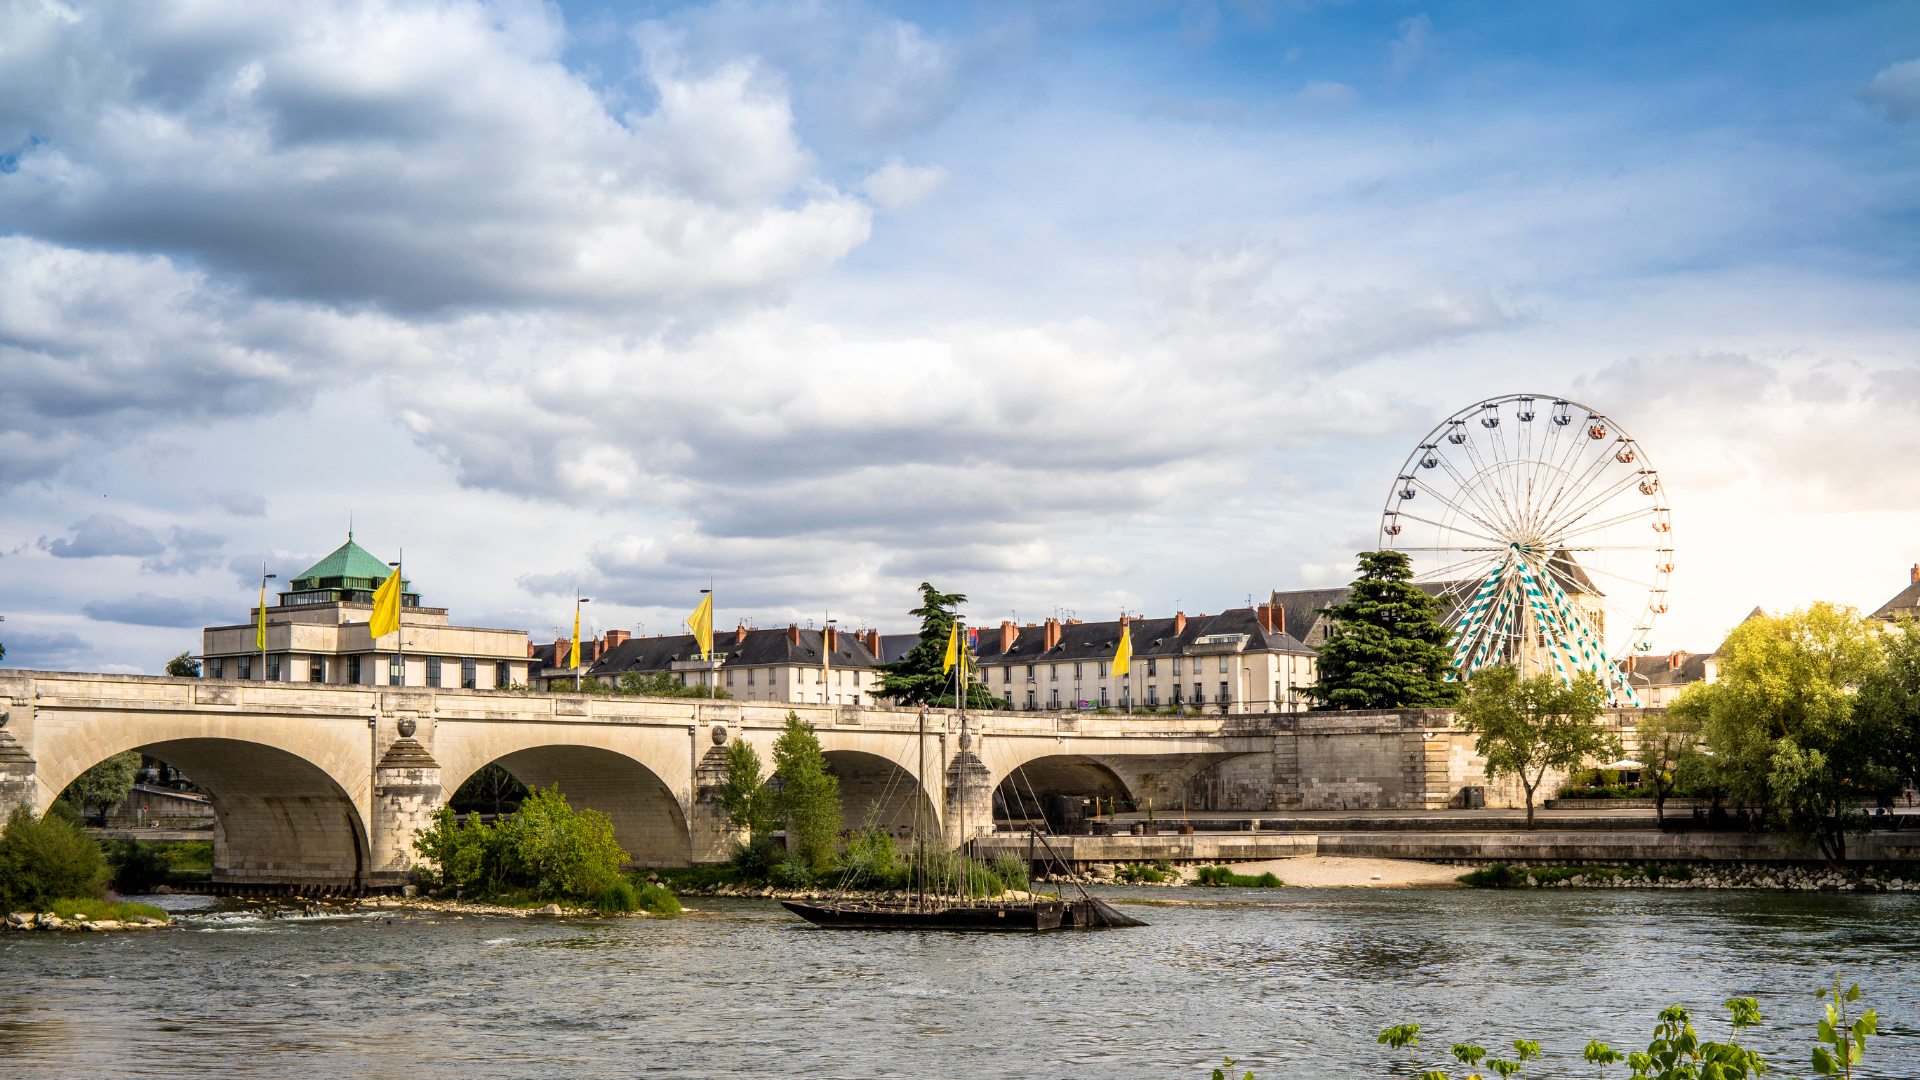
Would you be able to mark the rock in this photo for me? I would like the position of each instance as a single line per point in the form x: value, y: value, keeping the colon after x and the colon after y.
x: 21, y: 920
x: 411, y: 891
x: 52, y: 922
x: 104, y: 924
x: 550, y: 909
x: 148, y: 920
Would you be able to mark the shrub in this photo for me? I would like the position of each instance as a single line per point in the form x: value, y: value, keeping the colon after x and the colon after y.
x: 755, y: 860
x: 137, y: 867
x: 1224, y: 877
x: 871, y: 859
x: 547, y: 847
x: 46, y: 859
x: 791, y: 872
x: 618, y: 899
x: 1011, y: 869
x: 658, y: 899
x: 1138, y: 874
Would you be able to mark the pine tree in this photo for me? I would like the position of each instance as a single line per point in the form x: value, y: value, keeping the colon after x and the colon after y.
x: 1387, y: 649
x: 916, y: 678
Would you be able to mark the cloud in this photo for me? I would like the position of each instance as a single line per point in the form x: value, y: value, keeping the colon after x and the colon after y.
x: 148, y: 609
x: 412, y: 156
x: 246, y: 569
x: 103, y: 535
x: 897, y: 185
x: 1414, y: 45
x: 1895, y: 92
x: 1327, y: 95
x: 188, y: 550
x: 241, y: 503
x: 47, y: 652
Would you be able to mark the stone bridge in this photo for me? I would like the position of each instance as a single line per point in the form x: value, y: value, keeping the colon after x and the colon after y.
x: 325, y: 784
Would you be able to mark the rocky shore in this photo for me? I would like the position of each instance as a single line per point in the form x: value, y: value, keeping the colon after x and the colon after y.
x: 29, y: 920
x: 1794, y: 878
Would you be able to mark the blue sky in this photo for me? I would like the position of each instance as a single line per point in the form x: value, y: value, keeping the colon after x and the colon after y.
x: 1067, y: 306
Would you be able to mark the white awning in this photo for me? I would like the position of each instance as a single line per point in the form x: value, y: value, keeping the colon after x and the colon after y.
x: 1623, y: 763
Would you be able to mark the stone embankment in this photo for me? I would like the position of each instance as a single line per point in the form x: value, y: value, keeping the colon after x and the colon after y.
x: 47, y: 920
x: 1799, y: 878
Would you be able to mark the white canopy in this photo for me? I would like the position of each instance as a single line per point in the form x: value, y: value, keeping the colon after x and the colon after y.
x: 1623, y: 763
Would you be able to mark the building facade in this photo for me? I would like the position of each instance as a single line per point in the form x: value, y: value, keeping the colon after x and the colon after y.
x: 1238, y: 661
x: 828, y: 667
x: 319, y: 633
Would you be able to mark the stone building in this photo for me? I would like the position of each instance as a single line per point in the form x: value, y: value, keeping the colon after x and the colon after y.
x: 1906, y: 604
x: 829, y: 667
x: 318, y: 633
x: 1241, y: 660
x: 1660, y: 679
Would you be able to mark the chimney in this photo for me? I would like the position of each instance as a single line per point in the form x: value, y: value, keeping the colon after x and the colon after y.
x: 831, y: 639
x: 616, y: 638
x: 871, y: 639
x: 1009, y: 634
x: 1179, y: 622
x: 532, y: 650
x: 1051, y: 636
x: 561, y: 646
x: 1675, y: 659
x: 1916, y: 574
x: 793, y: 633
x: 1265, y: 614
x: 740, y: 633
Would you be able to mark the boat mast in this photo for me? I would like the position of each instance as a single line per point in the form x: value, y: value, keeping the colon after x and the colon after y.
x: 919, y: 840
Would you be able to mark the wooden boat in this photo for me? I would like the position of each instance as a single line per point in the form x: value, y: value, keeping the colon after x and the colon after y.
x: 1043, y: 914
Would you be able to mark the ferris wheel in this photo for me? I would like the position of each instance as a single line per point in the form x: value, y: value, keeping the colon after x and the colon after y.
x: 1543, y: 528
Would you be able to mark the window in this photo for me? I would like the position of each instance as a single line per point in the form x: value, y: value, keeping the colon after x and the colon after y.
x: 1153, y: 694
x: 1029, y: 671
x: 1053, y: 675
x: 502, y: 675
x: 1152, y: 667
x: 433, y: 671
x: 273, y: 667
x: 818, y: 676
x: 1029, y: 700
x: 396, y: 670
x: 1103, y: 697
x: 839, y: 678
x: 1176, y: 665
x: 1076, y: 673
x: 1006, y: 676
x: 246, y: 667
x: 316, y: 669
x: 1056, y: 697
x: 729, y: 678
x: 1199, y: 693
x: 1223, y: 665
x: 1103, y: 669
x: 353, y: 669
x: 469, y: 673
x: 216, y: 669
x: 1223, y: 690
x: 856, y: 678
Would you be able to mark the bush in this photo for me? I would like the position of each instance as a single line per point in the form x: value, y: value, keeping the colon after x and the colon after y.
x: 1138, y: 874
x: 547, y: 847
x: 791, y: 872
x: 618, y: 899
x: 1224, y: 877
x: 658, y: 899
x: 1011, y: 869
x: 47, y: 859
x: 137, y: 867
x: 753, y: 861
x: 872, y: 859
x: 1502, y: 876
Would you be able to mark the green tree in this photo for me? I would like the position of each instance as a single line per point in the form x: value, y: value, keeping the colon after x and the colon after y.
x: 1528, y: 726
x: 1782, y: 723
x: 1387, y: 649
x: 1669, y: 748
x: 183, y: 666
x: 104, y: 786
x: 1890, y: 700
x: 917, y: 678
x: 809, y: 796
x: 651, y: 684
x: 744, y: 793
x: 47, y: 859
x: 567, y: 852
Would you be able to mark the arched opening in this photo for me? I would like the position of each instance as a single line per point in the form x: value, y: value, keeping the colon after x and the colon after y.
x: 877, y: 791
x: 1064, y: 790
x: 277, y: 817
x: 647, y: 820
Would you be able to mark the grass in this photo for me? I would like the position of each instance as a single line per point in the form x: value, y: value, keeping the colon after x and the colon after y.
x: 1502, y: 876
x: 120, y: 910
x: 1224, y: 877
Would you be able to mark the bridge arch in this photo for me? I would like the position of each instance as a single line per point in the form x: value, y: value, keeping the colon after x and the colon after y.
x: 649, y: 822
x: 278, y: 816
x: 874, y: 785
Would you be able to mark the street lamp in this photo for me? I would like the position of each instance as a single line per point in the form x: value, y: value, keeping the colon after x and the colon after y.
x: 264, y: 578
x: 577, y: 601
x: 826, y: 657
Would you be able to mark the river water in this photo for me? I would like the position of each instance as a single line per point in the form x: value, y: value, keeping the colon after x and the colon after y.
x: 1295, y: 983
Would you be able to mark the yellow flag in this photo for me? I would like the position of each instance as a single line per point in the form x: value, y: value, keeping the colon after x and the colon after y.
x: 386, y: 607
x: 260, y: 635
x: 953, y: 648
x: 1123, y: 656
x: 573, y: 650
x: 702, y: 623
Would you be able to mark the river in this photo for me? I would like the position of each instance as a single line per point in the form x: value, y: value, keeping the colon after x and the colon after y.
x: 1296, y: 983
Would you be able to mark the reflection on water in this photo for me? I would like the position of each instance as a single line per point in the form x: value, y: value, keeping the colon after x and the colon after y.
x: 1296, y: 984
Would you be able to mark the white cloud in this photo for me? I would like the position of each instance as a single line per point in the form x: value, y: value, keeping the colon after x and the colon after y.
x: 102, y: 535
x: 1413, y: 46
x: 1895, y: 91
x: 897, y: 185
x: 148, y: 609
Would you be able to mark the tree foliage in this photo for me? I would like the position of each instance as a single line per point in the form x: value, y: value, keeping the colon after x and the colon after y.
x: 652, y: 684
x: 1890, y: 700
x: 547, y: 847
x: 744, y: 794
x: 1528, y: 726
x: 917, y: 678
x: 491, y: 789
x: 1387, y: 649
x: 104, y: 786
x: 184, y: 666
x: 1670, y: 751
x: 809, y: 794
x: 47, y: 859
x: 1786, y: 730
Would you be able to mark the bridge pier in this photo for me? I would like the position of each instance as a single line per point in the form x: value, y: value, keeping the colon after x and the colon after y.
x: 406, y: 792
x: 710, y: 835
x: 969, y: 795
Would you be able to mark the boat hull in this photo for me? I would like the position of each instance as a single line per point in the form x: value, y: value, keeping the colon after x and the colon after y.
x: 992, y: 918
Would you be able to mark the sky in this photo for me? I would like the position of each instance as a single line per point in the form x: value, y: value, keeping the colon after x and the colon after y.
x: 1072, y: 307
